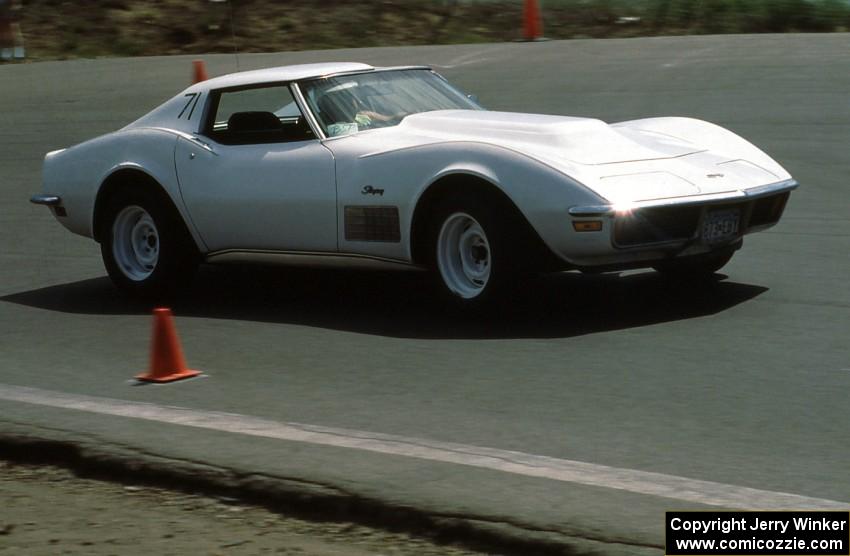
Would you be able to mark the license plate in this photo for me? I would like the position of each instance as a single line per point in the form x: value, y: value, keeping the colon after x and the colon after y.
x: 720, y: 225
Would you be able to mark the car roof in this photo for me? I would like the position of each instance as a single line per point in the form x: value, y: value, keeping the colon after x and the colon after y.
x: 278, y: 74
x: 168, y: 114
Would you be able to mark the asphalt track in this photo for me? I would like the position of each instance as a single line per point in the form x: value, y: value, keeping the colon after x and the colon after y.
x: 742, y: 384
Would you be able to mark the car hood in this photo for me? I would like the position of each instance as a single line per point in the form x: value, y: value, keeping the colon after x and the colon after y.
x: 583, y: 141
x: 624, y: 162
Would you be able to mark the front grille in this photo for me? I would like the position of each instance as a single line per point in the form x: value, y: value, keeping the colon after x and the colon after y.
x: 656, y: 225
x: 768, y: 210
x: 680, y: 223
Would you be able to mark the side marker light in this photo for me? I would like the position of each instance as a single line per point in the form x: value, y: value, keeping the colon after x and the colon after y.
x: 587, y: 226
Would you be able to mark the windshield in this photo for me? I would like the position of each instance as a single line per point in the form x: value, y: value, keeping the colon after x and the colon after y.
x: 347, y: 104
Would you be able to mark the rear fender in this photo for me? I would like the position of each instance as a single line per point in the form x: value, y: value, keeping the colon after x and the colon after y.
x: 82, y: 175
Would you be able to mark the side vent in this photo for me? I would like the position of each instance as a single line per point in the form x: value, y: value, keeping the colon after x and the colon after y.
x: 372, y: 224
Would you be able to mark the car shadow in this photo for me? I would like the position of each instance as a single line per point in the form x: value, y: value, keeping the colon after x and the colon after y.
x: 404, y: 304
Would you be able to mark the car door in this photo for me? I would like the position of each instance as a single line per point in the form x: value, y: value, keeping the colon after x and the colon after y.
x: 256, y: 177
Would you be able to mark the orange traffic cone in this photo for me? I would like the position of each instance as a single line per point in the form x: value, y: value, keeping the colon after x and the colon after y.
x: 533, y: 27
x: 199, y: 71
x: 167, y: 363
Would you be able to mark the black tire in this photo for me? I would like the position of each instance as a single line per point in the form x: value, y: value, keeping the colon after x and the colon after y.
x: 466, y: 214
x: 700, y: 267
x: 146, y: 248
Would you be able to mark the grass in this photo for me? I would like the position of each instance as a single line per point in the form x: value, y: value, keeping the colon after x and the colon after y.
x: 61, y: 29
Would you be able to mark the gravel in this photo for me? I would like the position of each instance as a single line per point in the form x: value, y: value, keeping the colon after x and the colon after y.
x: 49, y: 511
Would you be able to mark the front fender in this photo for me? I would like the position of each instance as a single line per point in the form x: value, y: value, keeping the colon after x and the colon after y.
x: 542, y: 193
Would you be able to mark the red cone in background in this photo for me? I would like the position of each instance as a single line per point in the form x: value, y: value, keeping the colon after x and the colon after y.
x: 167, y: 363
x: 533, y: 26
x: 199, y: 71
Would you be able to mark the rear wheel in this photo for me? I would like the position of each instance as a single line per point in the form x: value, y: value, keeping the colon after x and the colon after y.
x: 145, y: 247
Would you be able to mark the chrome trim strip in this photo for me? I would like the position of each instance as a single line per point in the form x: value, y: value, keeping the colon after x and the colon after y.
x: 747, y: 194
x: 591, y: 210
x: 47, y: 200
x: 305, y: 110
x: 309, y: 258
x: 787, y: 185
x: 355, y: 72
x: 400, y: 68
x: 203, y: 144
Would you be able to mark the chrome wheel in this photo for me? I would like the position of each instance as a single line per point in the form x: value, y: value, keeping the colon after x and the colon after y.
x: 135, y: 242
x: 463, y: 255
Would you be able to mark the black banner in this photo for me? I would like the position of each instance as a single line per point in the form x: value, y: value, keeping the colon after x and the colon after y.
x: 758, y: 533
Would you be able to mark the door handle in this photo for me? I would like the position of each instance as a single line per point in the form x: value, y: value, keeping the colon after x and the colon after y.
x: 203, y: 145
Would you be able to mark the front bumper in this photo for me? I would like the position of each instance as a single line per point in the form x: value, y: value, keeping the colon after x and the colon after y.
x: 697, y: 200
x: 642, y: 232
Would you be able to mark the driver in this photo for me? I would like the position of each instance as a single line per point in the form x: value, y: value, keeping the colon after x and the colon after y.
x: 343, y: 107
x: 368, y: 118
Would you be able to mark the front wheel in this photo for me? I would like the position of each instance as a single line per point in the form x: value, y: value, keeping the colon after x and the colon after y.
x: 472, y: 255
x: 463, y: 256
x: 145, y: 247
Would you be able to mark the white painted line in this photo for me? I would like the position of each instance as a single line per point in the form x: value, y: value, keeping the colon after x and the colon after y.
x: 631, y: 480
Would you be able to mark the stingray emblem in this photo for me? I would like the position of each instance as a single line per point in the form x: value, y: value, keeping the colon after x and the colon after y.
x: 369, y: 190
x: 714, y: 175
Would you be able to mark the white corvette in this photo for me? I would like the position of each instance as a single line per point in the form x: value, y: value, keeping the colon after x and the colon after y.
x: 346, y: 163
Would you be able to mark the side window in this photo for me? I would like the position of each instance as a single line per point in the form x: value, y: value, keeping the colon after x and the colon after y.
x: 257, y: 115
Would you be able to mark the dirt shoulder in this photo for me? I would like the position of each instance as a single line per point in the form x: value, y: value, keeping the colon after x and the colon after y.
x: 48, y: 511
